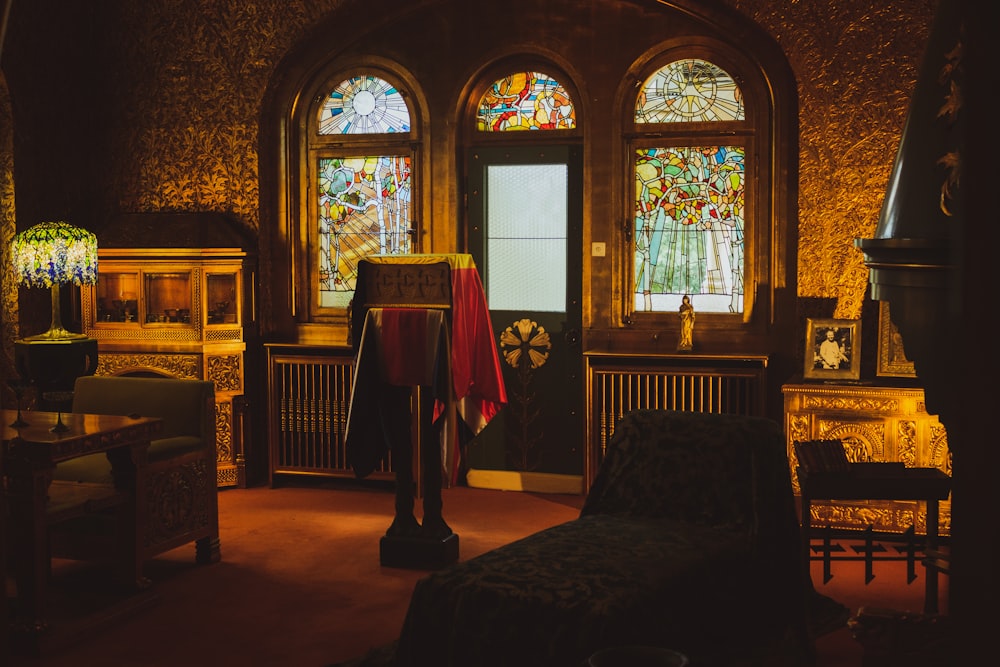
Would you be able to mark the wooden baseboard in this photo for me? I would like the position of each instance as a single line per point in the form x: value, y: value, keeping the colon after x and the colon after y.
x: 535, y: 482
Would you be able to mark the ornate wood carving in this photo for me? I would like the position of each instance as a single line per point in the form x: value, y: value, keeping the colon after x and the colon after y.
x: 875, y: 423
x: 176, y: 501
x: 182, y: 366
x: 225, y: 371
x: 224, y: 431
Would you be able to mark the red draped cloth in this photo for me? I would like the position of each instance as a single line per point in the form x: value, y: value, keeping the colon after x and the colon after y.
x: 477, y: 389
x: 475, y: 366
x: 412, y: 344
x: 400, y: 347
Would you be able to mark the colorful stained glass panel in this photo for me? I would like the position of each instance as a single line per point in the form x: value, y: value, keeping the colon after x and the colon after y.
x: 365, y: 207
x: 687, y: 91
x: 526, y: 101
x: 689, y: 228
x: 364, y: 105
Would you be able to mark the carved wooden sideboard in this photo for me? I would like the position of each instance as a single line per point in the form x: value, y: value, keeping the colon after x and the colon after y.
x: 875, y: 423
x: 176, y: 312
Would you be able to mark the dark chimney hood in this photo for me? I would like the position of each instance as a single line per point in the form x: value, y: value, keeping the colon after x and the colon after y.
x: 911, y: 256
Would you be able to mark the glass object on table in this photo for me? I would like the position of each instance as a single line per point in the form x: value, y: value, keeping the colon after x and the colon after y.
x: 19, y: 387
x: 59, y: 398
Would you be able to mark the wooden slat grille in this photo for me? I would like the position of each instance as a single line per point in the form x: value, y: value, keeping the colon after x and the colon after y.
x: 617, y: 386
x: 310, y: 398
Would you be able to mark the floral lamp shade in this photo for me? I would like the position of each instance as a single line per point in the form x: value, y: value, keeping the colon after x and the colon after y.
x: 51, y: 254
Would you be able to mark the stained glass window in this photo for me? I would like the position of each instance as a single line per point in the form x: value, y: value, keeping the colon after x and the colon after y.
x: 364, y: 207
x: 526, y: 101
x: 689, y: 228
x: 364, y: 104
x: 690, y: 195
x: 360, y: 183
x: 689, y: 90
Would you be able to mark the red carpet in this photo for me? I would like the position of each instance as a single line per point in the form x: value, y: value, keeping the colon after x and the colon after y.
x: 300, y: 582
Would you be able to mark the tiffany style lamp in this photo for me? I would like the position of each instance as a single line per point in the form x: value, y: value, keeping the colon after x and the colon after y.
x: 52, y: 254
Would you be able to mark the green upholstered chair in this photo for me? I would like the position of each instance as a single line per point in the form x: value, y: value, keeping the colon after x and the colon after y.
x: 180, y: 498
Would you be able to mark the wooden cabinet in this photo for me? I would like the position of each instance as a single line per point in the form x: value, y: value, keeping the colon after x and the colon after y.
x: 876, y: 423
x: 176, y: 312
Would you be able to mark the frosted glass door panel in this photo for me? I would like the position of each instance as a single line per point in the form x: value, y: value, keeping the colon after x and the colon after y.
x: 526, y: 237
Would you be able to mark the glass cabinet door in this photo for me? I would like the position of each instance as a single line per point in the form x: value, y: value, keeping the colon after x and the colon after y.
x: 167, y: 297
x: 117, y: 297
x: 220, y: 298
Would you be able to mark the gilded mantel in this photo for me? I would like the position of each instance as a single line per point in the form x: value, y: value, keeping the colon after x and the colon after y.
x: 876, y: 424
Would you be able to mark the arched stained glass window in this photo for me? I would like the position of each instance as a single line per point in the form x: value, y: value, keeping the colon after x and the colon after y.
x: 361, y: 173
x: 364, y: 104
x: 525, y: 101
x: 689, y: 90
x: 690, y: 194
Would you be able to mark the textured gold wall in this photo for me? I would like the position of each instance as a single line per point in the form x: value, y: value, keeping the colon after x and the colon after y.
x: 8, y: 288
x: 187, y: 101
x: 856, y: 64
x: 186, y: 95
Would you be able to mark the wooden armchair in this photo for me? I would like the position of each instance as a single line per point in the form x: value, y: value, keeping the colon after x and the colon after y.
x: 180, y: 502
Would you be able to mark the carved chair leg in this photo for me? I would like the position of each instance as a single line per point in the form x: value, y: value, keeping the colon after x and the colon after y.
x: 207, y: 550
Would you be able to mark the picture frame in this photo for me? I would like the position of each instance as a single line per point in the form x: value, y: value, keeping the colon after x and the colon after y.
x: 892, y: 361
x: 833, y: 349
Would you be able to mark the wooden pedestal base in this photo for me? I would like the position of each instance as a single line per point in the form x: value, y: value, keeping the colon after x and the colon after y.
x: 418, y: 553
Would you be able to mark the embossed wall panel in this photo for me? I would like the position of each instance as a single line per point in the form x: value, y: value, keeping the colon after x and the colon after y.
x: 8, y: 287
x: 856, y: 65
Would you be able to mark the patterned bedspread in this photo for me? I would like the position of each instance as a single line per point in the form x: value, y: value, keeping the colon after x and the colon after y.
x: 688, y: 539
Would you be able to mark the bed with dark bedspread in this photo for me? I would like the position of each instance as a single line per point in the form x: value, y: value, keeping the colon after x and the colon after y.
x: 688, y: 539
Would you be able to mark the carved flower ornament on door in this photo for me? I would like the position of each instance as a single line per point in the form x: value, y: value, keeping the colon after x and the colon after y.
x: 526, y: 340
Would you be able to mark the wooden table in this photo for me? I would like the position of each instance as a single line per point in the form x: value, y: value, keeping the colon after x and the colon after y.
x: 30, y: 454
x: 880, y: 482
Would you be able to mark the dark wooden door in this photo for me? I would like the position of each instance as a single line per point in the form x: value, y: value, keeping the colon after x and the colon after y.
x: 524, y: 212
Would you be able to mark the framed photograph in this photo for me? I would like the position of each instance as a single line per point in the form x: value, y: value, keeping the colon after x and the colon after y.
x: 892, y: 361
x: 833, y: 349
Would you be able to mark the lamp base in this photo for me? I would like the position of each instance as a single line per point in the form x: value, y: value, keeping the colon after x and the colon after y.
x: 54, y: 364
x: 55, y: 334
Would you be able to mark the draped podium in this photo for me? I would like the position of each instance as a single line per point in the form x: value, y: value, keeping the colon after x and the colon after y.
x: 427, y: 378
